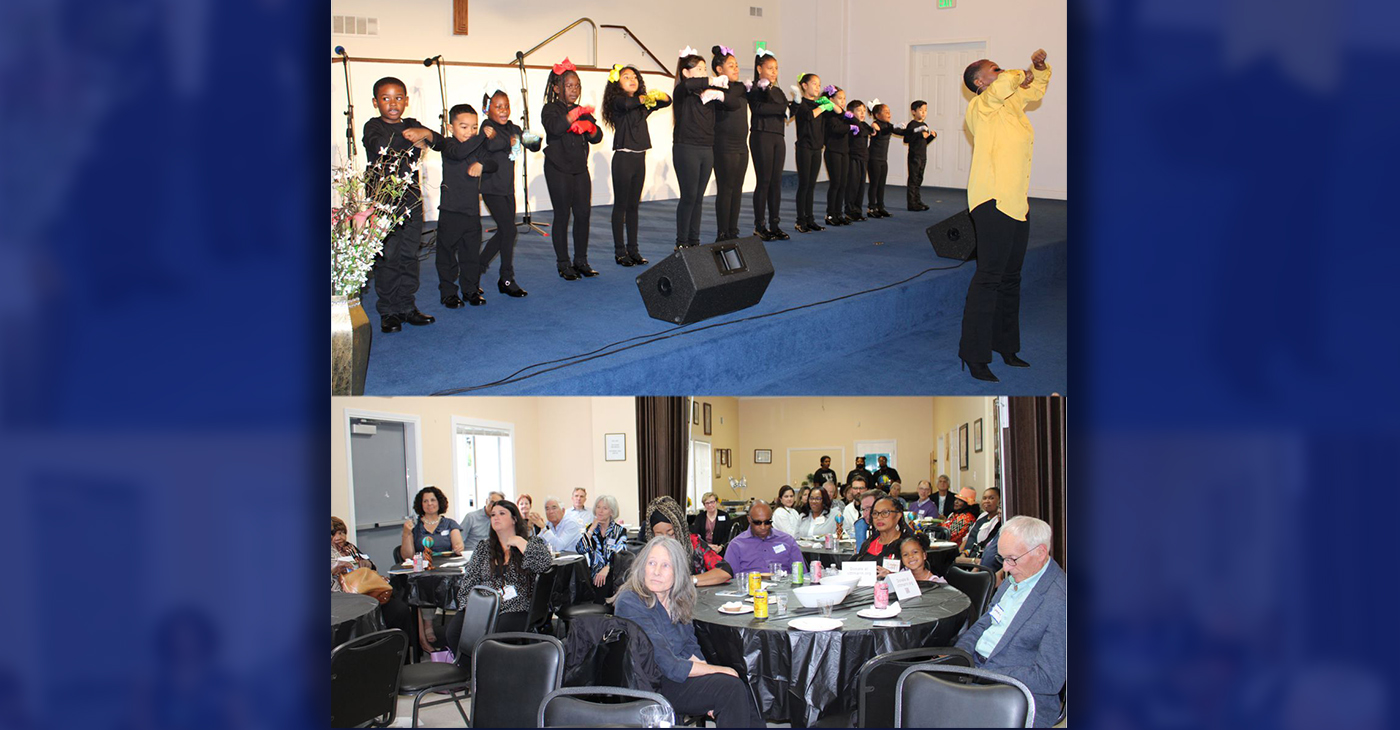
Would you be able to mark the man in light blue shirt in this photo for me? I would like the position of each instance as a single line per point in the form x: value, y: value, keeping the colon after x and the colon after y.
x: 579, y: 513
x: 560, y: 532
x: 1023, y: 635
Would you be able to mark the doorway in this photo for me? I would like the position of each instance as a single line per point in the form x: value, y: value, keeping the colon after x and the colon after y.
x: 385, y: 468
x: 935, y: 75
x: 701, y: 472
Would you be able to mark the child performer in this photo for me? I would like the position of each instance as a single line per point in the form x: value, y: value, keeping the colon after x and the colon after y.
x: 839, y: 128
x: 504, y: 146
x: 768, y: 106
x: 396, y: 270
x: 879, y: 157
x: 626, y: 106
x: 860, y: 154
x: 569, y: 129
x: 810, y: 140
x: 917, y: 136
x: 693, y: 139
x: 731, y: 143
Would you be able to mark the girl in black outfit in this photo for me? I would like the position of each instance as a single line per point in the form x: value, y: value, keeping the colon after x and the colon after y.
x: 569, y: 129
x: 809, y: 145
x: 731, y: 143
x: 768, y: 106
x: 860, y: 155
x: 626, y: 106
x: 693, y: 140
x: 879, y: 158
x: 839, y: 128
x: 503, y: 145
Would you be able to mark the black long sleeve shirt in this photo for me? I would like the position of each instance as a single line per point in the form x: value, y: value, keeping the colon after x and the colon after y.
x: 880, y: 143
x: 838, y: 132
x: 631, y: 132
x: 768, y: 110
x: 913, y: 136
x: 809, y: 129
x: 860, y: 143
x: 695, y: 122
x: 461, y: 193
x: 379, y: 134
x: 732, y: 119
x: 497, y: 149
x: 565, y: 150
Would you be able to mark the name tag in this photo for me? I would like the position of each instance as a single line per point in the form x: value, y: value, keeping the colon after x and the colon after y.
x: 997, y: 614
x: 820, y: 520
x: 508, y: 593
x: 892, y: 565
x: 443, y: 533
x: 721, y: 518
x: 780, y: 548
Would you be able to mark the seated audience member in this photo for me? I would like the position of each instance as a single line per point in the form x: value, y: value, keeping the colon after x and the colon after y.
x: 833, y: 493
x: 1023, y: 635
x: 887, y: 518
x: 986, y: 527
x: 665, y: 517
x: 964, y: 514
x: 526, y: 504
x: 913, y: 554
x: 785, y: 514
x: 756, y: 547
x: 476, y: 525
x: 817, y: 518
x: 802, y: 495
x: 445, y: 535
x: 579, y: 513
x: 943, y: 496
x: 602, y: 540
x: 861, y: 529
x: 851, y: 512
x: 397, y: 613
x: 924, y: 506
x: 661, y: 601
x: 508, y: 562
x: 560, y: 532
x: 713, y: 525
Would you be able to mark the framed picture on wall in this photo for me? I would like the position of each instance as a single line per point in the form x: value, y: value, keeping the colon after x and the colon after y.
x: 719, y: 461
x: 695, y: 413
x: 707, y: 419
x: 977, y: 435
x: 962, y: 447
x: 763, y: 456
x: 615, y: 447
x: 729, y: 458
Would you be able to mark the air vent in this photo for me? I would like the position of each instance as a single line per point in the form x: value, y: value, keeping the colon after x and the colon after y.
x: 354, y: 25
x: 755, y: 12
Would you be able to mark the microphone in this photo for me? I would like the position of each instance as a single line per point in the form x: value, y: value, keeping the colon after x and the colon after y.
x: 429, y: 61
x: 340, y: 51
x: 519, y: 55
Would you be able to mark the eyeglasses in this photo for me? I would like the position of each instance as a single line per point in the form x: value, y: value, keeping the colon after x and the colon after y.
x: 1012, y: 561
x: 711, y: 502
x: 760, y: 522
x: 885, y: 512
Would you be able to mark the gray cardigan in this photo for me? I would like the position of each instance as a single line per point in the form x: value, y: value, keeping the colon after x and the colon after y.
x: 1033, y: 647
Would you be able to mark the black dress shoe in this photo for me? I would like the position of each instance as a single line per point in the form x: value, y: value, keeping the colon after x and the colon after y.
x: 567, y: 274
x: 855, y: 217
x: 638, y: 260
x: 923, y: 207
x: 390, y: 323
x: 885, y: 213
x: 833, y: 221
x: 452, y: 301
x: 778, y: 234
x: 476, y: 299
x: 802, y: 227
x: 813, y: 225
x: 873, y: 213
x: 623, y: 260
x: 763, y: 234
x: 506, y: 286
x: 1014, y: 361
x: 418, y: 319
x: 584, y: 269
x: 980, y: 371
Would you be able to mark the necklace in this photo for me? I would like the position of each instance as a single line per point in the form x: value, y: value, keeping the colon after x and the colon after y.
x: 430, y: 527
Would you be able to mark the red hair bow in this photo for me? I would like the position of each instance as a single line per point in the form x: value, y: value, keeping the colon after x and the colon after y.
x: 565, y: 65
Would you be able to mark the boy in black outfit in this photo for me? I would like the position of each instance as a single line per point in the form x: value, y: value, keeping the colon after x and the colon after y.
x: 916, y: 134
x: 396, y: 270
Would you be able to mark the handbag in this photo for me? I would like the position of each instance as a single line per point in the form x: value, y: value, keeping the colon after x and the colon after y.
x: 367, y: 582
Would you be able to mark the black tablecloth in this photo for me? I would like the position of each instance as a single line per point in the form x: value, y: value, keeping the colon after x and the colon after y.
x: 799, y: 676
x: 440, y: 587
x: 353, y: 615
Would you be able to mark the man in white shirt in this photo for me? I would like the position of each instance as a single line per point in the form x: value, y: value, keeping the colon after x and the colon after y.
x: 580, y: 513
x: 851, y: 513
x: 560, y: 532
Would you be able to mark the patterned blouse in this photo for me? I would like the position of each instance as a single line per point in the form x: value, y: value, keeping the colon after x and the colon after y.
x: 703, y: 558
x: 598, y: 549
x: 520, y: 572
x: 957, y: 525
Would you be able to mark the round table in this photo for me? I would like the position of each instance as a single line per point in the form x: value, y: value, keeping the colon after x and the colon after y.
x: 440, y: 587
x: 353, y: 615
x: 799, y: 676
x: 836, y: 556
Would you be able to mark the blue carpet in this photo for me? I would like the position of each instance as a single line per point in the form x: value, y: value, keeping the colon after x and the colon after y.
x: 905, y: 335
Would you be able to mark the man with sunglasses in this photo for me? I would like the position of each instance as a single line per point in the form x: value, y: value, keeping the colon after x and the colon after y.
x: 760, y: 545
x: 1023, y: 635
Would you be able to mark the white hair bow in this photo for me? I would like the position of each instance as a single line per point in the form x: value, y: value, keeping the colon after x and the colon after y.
x: 764, y: 52
x: 688, y: 51
x: 490, y: 89
x: 874, y: 102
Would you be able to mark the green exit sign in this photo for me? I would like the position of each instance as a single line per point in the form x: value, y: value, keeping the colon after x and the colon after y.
x: 945, y: 4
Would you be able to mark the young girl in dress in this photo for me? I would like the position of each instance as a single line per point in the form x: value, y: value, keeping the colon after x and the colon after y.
x: 810, y: 140
x: 768, y: 107
x: 693, y: 139
x: 626, y: 106
x: 569, y: 129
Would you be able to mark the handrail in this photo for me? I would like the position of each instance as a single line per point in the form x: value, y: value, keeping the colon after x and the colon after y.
x: 566, y: 29
x: 628, y: 32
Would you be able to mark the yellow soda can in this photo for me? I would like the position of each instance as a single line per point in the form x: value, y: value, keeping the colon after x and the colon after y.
x: 755, y: 583
x: 760, y: 604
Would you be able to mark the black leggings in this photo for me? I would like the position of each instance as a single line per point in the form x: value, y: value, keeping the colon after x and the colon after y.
x: 768, y: 156
x: 458, y: 252
x: 694, y: 164
x: 502, y: 208
x: 838, y: 165
x: 992, y: 315
x: 730, y: 167
x: 809, y: 163
x: 629, y: 173
x: 855, y: 184
x: 879, y: 170
x: 571, y: 193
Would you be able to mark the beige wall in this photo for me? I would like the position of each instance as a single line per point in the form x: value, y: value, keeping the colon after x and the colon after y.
x: 724, y: 428
x: 948, y: 415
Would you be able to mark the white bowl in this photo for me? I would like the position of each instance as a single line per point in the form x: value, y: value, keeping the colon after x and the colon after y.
x: 809, y: 596
x: 844, y: 579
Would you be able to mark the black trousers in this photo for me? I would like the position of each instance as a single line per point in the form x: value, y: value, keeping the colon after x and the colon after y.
x: 855, y: 184
x: 769, y: 153
x: 992, y: 314
x: 809, y: 163
x: 396, y: 268
x: 502, y: 208
x: 838, y: 166
x: 458, y: 252
x: 572, y: 195
x: 694, y: 163
x: 629, y: 173
x: 730, y: 168
x: 729, y: 697
x: 916, y: 180
x: 879, y: 170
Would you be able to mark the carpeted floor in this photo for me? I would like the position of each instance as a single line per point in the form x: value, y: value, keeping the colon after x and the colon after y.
x: 901, y: 340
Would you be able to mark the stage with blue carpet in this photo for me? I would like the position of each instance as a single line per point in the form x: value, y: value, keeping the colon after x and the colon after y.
x: 593, y: 336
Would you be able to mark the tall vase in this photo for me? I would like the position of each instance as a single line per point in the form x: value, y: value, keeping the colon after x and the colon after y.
x: 350, y: 340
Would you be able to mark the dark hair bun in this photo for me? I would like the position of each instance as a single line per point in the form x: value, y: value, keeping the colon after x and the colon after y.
x: 715, y: 50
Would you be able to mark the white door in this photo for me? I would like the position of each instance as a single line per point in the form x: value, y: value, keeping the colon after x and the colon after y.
x: 936, y: 73
x: 701, y: 471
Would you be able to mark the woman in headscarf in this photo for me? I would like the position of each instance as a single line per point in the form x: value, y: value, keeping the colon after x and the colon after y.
x: 665, y: 517
x: 964, y: 514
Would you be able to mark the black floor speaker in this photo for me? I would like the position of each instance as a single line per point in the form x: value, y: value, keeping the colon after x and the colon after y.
x: 701, y: 282
x: 954, y: 238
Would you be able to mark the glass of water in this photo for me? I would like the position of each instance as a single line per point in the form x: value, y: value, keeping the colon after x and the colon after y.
x: 656, y: 716
x: 778, y: 602
x: 825, y: 605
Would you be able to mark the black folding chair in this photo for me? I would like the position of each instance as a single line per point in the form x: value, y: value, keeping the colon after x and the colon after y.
x: 365, y: 679
x: 934, y: 695
x: 566, y: 707
x: 479, y: 614
x: 541, y: 617
x: 524, y: 669
x: 876, y: 679
x: 977, y: 584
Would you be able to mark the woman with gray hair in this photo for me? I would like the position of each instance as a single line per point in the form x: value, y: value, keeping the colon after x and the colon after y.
x: 602, y: 539
x: 662, y: 606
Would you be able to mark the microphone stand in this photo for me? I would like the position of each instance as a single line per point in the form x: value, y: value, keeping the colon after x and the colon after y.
x: 349, y: 110
x: 529, y: 224
x: 442, y: 89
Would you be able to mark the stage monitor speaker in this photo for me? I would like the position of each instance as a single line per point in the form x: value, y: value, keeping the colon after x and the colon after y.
x: 954, y: 237
x: 706, y: 281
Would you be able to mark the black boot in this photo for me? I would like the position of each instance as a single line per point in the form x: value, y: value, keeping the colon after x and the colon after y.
x: 980, y: 371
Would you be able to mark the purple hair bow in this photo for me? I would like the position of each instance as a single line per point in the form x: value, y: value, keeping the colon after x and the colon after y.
x: 726, y: 50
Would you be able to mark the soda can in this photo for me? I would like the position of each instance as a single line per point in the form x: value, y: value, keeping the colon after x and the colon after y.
x: 760, y: 604
x: 755, y: 582
x: 826, y: 541
x: 816, y: 571
x: 882, y: 595
x: 797, y: 567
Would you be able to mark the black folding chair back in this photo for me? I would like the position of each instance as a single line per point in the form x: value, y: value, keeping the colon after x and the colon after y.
x: 542, y: 603
x: 567, y: 707
x: 978, y: 587
x: 934, y: 695
x: 365, y: 679
x: 876, y: 679
x: 479, y: 613
x: 512, y: 673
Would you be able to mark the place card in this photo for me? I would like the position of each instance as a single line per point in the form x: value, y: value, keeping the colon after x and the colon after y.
x: 904, y: 585
x: 864, y: 569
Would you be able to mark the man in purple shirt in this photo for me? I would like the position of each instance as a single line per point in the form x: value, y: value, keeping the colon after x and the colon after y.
x: 926, y: 507
x: 756, y: 547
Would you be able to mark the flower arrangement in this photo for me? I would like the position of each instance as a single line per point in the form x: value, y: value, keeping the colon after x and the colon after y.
x: 365, y: 207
